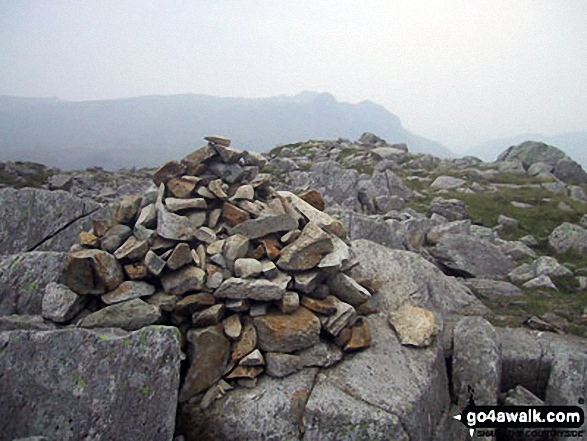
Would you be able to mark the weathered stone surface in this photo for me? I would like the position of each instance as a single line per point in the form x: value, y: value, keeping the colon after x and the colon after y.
x: 307, y: 281
x: 81, y: 396
x: 245, y: 344
x: 314, y: 198
x: 25, y: 323
x: 287, y: 332
x: 472, y: 256
x: 232, y: 326
x: 360, y: 337
x: 255, y: 358
x: 233, y: 215
x: 540, y: 282
x: 208, y: 317
x: 456, y: 227
x: 154, y: 263
x: 255, y: 289
x: 114, y: 237
x: 127, y: 209
x: 447, y: 183
x: 451, y: 209
x: 186, y: 279
x: 260, y: 227
x: 338, y: 257
x: 246, y: 267
x: 208, y: 352
x: 35, y: 219
x: 492, y: 289
x: 92, y: 272
x: 549, y: 266
x: 173, y: 226
x: 476, y: 365
x: 165, y: 302
x: 130, y: 315
x: 307, y: 251
x: 133, y: 249
x: 315, y: 216
x: 181, y: 256
x: 246, y: 192
x: 194, y: 302
x: 180, y: 187
x: 128, y: 290
x: 200, y: 155
x: 518, y: 251
x: 235, y: 247
x: 290, y: 302
x: 61, y: 304
x: 375, y: 229
x: 174, y: 205
x: 344, y: 316
x: 325, y: 306
x: 168, y: 171
x: 206, y: 235
x: 347, y: 290
x: 281, y: 365
x: 23, y: 279
x: 567, y: 237
x: 414, y: 326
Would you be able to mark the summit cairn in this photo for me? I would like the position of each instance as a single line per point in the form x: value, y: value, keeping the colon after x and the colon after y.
x: 253, y: 278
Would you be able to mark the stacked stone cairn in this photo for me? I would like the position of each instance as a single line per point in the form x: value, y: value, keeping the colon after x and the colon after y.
x: 252, y: 277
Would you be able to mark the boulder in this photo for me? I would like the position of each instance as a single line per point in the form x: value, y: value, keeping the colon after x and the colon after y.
x: 24, y: 278
x: 470, y: 256
x: 488, y: 289
x: 73, y: 383
x: 447, y: 183
x: 61, y: 304
x: 567, y: 237
x: 451, y: 209
x: 130, y: 315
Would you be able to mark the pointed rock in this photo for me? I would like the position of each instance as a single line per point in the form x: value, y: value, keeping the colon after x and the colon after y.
x: 306, y: 252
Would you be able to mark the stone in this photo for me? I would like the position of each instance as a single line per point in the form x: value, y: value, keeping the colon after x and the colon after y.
x: 24, y: 278
x: 451, y: 209
x: 249, y: 372
x: 546, y: 265
x: 128, y: 209
x: 25, y: 323
x: 457, y: 227
x: 522, y: 274
x: 92, y: 375
x: 175, y: 205
x: 246, y: 192
x: 567, y: 237
x: 258, y: 309
x: 206, y: 235
x: 360, y: 337
x: 261, y: 227
x: 255, y: 358
x: 208, y: 353
x: 245, y: 267
x: 89, y: 240
x: 279, y: 365
x: 232, y: 327
x: 290, y: 236
x: 255, y: 289
x: 347, y: 290
x: 488, y: 289
x: 338, y: 257
x: 60, y: 182
x: 466, y: 255
x: 214, y: 280
x: 326, y: 306
x: 173, y: 226
x: 476, y: 366
x: 235, y: 247
x: 154, y: 263
x: 168, y: 171
x: 307, y: 251
x: 165, y: 302
x: 314, y: 198
x: 92, y: 272
x: 136, y: 271
x: 194, y: 302
x: 233, y: 215
x: 268, y: 269
x: 189, y: 278
x: 181, y: 256
x: 115, y: 237
x: 220, y: 140
x: 271, y: 247
x: 520, y: 396
x: 290, y: 302
x: 540, y: 282
x: 414, y: 326
x: 130, y: 315
x: 181, y: 187
x: 208, y: 317
x: 447, y: 183
x: 308, y: 281
x: 132, y: 250
x: 287, y: 332
x: 199, y: 156
x: 315, y: 216
x: 61, y: 304
x: 344, y: 316
x: 517, y: 250
x: 245, y: 344
x: 128, y: 290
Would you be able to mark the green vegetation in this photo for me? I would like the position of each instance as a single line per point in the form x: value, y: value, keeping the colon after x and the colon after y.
x: 36, y: 176
x: 78, y: 380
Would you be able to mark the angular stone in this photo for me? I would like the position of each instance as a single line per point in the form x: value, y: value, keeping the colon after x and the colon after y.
x: 174, y: 205
x: 549, y: 266
x: 200, y: 155
x: 261, y: 227
x: 255, y: 158
x: 314, y: 198
x: 227, y: 154
x: 208, y: 352
x: 306, y: 252
x: 540, y: 282
x: 344, y: 316
x: 173, y: 226
x: 133, y: 249
x: 115, y: 237
x: 130, y: 315
x: 279, y: 365
x: 60, y: 304
x: 189, y: 278
x: 154, y: 263
x: 216, y: 139
x: 92, y: 272
x: 197, y: 218
x: 315, y: 216
x: 181, y: 256
x: 165, y: 302
x: 323, y: 307
x: 271, y: 247
x: 89, y: 240
x: 194, y: 302
x: 259, y: 309
x: 235, y: 247
x: 255, y: 358
x: 245, y: 344
x: 255, y: 289
x: 214, y: 280
x: 338, y: 257
x: 181, y: 187
x: 307, y: 282
x: 347, y: 290
x: 360, y: 337
x: 321, y: 355
x: 127, y: 209
x: 237, y: 305
x: 492, y: 289
x: 245, y: 267
x: 170, y: 170
x: 100, y: 373
x: 290, y: 236
x: 567, y: 237
x: 128, y: 290
x: 217, y: 189
x: 244, y: 192
x: 414, y: 326
x: 136, y: 271
x: 205, y: 193
x: 290, y: 302
x: 208, y: 317
x: 457, y: 227
x: 245, y: 372
x: 287, y: 332
x: 232, y: 326
x: 268, y: 269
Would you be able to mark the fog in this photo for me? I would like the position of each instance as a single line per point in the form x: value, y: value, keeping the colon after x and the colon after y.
x: 458, y: 72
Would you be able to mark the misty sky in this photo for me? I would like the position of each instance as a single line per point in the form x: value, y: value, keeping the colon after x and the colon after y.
x: 458, y: 72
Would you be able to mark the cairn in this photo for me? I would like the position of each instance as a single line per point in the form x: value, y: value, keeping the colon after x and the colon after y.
x: 252, y: 277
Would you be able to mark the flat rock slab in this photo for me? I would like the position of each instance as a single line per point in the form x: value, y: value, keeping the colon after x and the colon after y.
x: 23, y: 278
x: 75, y: 384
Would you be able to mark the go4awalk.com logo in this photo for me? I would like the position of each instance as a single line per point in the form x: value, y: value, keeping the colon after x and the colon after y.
x: 548, y: 420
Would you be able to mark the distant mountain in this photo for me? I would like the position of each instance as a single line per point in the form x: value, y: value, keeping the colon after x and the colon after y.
x: 573, y: 144
x: 148, y: 130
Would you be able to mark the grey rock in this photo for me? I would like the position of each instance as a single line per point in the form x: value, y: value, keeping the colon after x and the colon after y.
x: 549, y: 266
x: 75, y: 397
x: 307, y: 251
x: 130, y: 315
x: 127, y: 209
x: 61, y: 304
x: 115, y: 237
x: 181, y: 256
x: 247, y: 267
x: 322, y: 354
x: 290, y: 302
x: 347, y: 289
x: 133, y: 249
x: 255, y: 289
x: 174, y: 204
x: 456, y: 227
x: 42, y: 220
x: 147, y: 217
x: 164, y: 301
x: 522, y: 274
x: 235, y: 247
x: 520, y: 396
x: 478, y: 365
x: 540, y: 282
x: 447, y: 183
x: 488, y: 289
x: 517, y: 250
x: 472, y: 256
x: 344, y: 316
x: 26, y: 323
x: 375, y: 230
x: 577, y: 192
x: 307, y: 281
x: 154, y: 263
x: 128, y: 290
x: 60, y: 182
x: 452, y: 209
x: 23, y: 280
x: 187, y: 279
x: 280, y: 365
x: 338, y: 257
x: 567, y: 237
x: 260, y: 227
x: 323, y: 220
x: 206, y: 235
x: 173, y: 226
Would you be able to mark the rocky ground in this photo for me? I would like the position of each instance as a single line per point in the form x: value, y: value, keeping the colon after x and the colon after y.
x: 393, y: 284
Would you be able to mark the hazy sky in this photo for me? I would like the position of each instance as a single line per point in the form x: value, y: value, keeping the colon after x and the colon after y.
x: 459, y: 72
